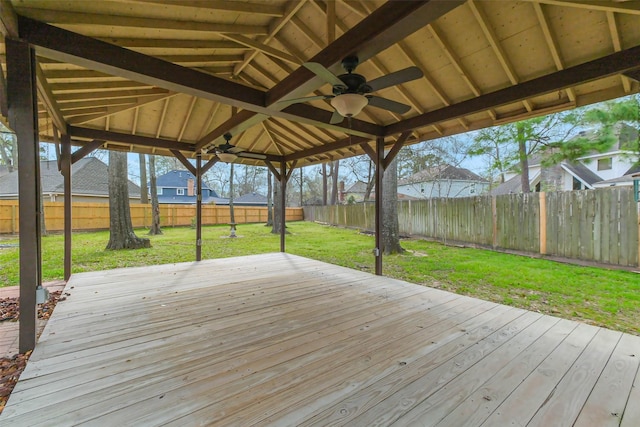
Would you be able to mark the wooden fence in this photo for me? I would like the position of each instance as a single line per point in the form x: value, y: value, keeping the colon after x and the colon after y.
x: 95, y: 216
x: 592, y: 225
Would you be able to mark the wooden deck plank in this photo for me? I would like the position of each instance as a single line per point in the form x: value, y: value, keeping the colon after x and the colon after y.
x: 607, y: 401
x: 277, y: 339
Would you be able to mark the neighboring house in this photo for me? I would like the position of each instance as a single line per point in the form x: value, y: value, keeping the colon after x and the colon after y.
x: 443, y: 181
x: 355, y: 193
x: 179, y: 187
x: 250, y: 199
x: 89, y: 182
x: 4, y: 170
x: 612, y: 168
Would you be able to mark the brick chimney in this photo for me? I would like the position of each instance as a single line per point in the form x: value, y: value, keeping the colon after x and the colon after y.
x: 190, y: 187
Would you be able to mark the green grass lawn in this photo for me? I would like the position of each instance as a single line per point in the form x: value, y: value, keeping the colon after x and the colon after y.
x: 598, y: 296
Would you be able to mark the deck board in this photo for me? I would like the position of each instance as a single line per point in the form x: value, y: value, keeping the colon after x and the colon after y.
x: 278, y: 339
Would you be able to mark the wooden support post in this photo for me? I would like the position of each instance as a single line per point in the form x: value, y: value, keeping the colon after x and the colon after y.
x: 199, y: 207
x: 23, y: 118
x: 66, y: 173
x: 543, y: 223
x: 379, y: 161
x: 283, y: 203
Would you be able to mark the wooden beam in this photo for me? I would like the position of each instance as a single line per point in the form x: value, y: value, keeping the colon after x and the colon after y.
x: 616, y: 63
x: 94, y: 54
x: 172, y: 44
x: 273, y: 170
x: 66, y: 162
x: 253, y: 8
x: 47, y: 97
x: 187, y: 164
x: 231, y: 125
x: 617, y: 45
x: 209, y: 164
x: 86, y: 149
x: 22, y: 101
x: 378, y: 203
x: 290, y: 170
x: 198, y: 176
x: 625, y: 7
x: 143, y: 141
x: 283, y: 203
x: 119, y: 109
x: 64, y: 17
x: 390, y: 23
x: 8, y: 19
x: 397, y: 146
x: 369, y: 151
x: 261, y: 47
x: 337, y: 145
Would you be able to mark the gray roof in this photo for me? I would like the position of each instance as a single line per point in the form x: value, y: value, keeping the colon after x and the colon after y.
x: 583, y: 173
x: 89, y: 176
x: 251, y: 199
x: 510, y: 186
x: 442, y: 172
x: 357, y: 187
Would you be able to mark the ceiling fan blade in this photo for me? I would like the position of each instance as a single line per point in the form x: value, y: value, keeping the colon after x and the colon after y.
x: 234, y: 150
x: 387, y: 104
x: 247, y: 155
x: 322, y: 72
x: 336, y: 118
x: 303, y: 99
x: 396, y: 78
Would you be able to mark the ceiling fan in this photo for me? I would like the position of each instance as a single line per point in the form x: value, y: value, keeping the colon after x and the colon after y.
x: 228, y: 152
x: 352, y: 92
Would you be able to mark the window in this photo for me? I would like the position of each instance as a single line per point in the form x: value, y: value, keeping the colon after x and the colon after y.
x: 577, y: 185
x: 605, y: 164
x: 159, y: 191
x: 180, y: 191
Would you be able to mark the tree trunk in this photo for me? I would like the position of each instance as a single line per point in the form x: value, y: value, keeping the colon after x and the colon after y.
x: 324, y: 184
x: 120, y: 226
x: 301, y: 194
x: 155, y: 206
x: 390, y: 226
x: 269, y: 200
x: 334, y: 182
x: 524, y: 162
x: 278, y: 209
x: 144, y: 190
x: 370, y: 182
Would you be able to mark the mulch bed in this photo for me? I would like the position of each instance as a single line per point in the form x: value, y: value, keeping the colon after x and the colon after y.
x: 12, y: 367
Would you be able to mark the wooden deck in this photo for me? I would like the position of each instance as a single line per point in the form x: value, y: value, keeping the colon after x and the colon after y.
x: 282, y: 340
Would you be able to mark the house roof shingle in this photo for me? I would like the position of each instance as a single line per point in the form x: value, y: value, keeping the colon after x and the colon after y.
x: 442, y: 172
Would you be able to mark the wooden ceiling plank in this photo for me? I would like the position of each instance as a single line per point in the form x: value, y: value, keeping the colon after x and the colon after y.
x: 49, y: 100
x: 90, y: 53
x: 261, y: 47
x: 62, y: 98
x: 628, y: 7
x: 271, y: 138
x: 439, y: 37
x: 617, y: 46
x: 163, y: 115
x: 258, y: 8
x: 75, y: 74
x: 91, y: 86
x: 307, y: 32
x: 8, y: 19
x: 143, y: 141
x: 616, y: 63
x: 64, y: 17
x: 110, y: 111
x: 70, y: 106
x: 551, y: 44
x: 215, y: 106
x: 131, y: 42
x: 235, y: 125
x: 291, y: 10
x: 187, y: 116
x: 330, y: 12
x: 390, y: 23
x: 134, y: 126
x: 491, y: 37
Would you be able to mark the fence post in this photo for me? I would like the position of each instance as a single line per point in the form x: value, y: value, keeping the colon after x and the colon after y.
x: 638, y: 205
x: 543, y: 222
x: 494, y: 216
x: 13, y: 219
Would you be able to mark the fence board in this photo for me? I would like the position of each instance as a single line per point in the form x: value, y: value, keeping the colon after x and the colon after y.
x: 95, y: 216
x: 593, y: 225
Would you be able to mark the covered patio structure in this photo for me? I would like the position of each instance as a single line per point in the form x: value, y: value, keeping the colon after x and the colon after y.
x: 174, y: 77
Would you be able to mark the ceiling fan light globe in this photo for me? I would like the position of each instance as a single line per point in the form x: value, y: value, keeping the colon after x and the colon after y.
x: 227, y: 157
x: 349, y: 104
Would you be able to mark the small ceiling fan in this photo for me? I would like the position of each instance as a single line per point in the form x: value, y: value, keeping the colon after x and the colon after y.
x: 228, y: 152
x: 352, y: 92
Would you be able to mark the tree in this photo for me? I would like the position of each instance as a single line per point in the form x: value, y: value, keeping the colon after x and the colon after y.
x: 8, y: 149
x: 335, y: 168
x: 269, y: 201
x: 232, y: 217
x: 278, y: 208
x: 155, y: 206
x: 602, y: 119
x: 144, y: 191
x: 120, y: 227
x: 390, y: 226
